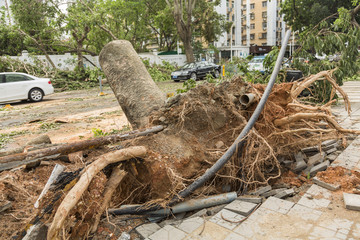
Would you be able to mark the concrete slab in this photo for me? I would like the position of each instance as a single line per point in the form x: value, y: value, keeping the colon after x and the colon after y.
x: 304, y: 213
x: 352, y: 201
x: 209, y: 231
x: 310, y: 202
x: 227, y: 219
x: 316, y: 159
x: 329, y: 186
x: 285, y: 193
x: 168, y: 233
x: 342, y: 226
x: 261, y: 190
x: 147, y: 229
x: 240, y: 207
x: 234, y: 236
x: 277, y: 205
x: 320, y: 167
x: 191, y: 224
x: 251, y: 199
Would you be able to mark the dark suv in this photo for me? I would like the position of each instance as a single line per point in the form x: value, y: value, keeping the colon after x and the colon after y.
x: 196, y: 71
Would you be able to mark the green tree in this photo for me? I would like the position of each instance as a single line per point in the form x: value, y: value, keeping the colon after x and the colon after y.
x: 192, y: 15
x: 336, y: 34
x: 36, y: 21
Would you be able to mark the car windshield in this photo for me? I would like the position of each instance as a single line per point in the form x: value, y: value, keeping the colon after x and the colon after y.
x: 189, y: 65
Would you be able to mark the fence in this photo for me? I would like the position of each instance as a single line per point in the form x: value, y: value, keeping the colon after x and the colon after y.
x: 69, y: 62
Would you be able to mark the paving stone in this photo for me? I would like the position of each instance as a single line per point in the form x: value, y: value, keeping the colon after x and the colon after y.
x: 308, y: 201
x: 261, y: 190
x: 249, y: 229
x: 168, y: 233
x: 331, y: 157
x: 299, y: 166
x: 147, y: 229
x: 259, y: 214
x: 285, y: 193
x: 331, y: 187
x: 251, y: 199
x: 240, y: 207
x: 341, y: 226
x: 356, y: 230
x: 273, y: 192
x: 234, y: 236
x: 320, y: 233
x: 304, y: 213
x: 310, y: 149
x: 320, y: 167
x: 316, y: 159
x: 209, y: 231
x: 277, y: 205
x: 330, y: 151
x: 352, y: 201
x: 201, y: 213
x: 317, y: 191
x: 299, y: 157
x: 326, y: 148
x: 227, y: 219
x: 214, y: 210
x: 191, y: 224
x: 328, y: 142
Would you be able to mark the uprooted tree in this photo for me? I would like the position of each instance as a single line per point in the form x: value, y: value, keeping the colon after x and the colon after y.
x: 199, y: 126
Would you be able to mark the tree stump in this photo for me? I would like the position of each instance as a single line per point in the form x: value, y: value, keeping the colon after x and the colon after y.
x: 131, y: 83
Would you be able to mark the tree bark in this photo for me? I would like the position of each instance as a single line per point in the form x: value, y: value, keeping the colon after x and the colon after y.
x: 133, y: 86
x: 15, y: 160
x: 184, y: 26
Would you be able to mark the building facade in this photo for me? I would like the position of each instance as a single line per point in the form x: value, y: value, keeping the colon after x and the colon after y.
x: 256, y: 26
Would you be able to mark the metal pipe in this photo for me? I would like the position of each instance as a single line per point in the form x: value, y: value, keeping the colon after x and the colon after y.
x: 187, y: 206
x: 238, y: 143
x: 247, y: 99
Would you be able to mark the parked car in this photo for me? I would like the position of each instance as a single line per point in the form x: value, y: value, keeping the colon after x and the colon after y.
x: 20, y: 86
x: 256, y: 64
x: 196, y: 71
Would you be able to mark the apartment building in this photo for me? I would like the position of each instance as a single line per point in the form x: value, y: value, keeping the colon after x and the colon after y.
x: 256, y: 26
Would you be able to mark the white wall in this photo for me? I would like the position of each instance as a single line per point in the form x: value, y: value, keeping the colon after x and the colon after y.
x: 69, y: 62
x: 271, y: 24
x: 221, y: 9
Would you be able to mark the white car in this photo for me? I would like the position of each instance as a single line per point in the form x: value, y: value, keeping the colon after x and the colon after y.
x: 21, y: 86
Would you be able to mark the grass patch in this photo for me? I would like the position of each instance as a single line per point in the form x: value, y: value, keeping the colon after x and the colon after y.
x: 100, y: 133
x: 7, y: 137
x: 49, y: 126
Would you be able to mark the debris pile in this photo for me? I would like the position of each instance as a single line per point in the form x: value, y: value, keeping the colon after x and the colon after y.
x: 196, y: 128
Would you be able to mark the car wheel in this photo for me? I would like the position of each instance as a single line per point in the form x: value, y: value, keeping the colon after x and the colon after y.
x: 176, y: 80
x: 216, y: 74
x: 193, y: 76
x: 36, y: 95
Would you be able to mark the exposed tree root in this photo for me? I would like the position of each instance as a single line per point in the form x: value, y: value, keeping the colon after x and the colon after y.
x: 116, y: 176
x: 75, y: 193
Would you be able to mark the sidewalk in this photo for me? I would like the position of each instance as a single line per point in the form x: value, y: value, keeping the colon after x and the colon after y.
x: 319, y: 214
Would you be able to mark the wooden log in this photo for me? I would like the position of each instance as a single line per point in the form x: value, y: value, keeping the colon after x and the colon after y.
x: 116, y: 176
x: 58, y: 169
x: 91, y: 170
x: 15, y: 160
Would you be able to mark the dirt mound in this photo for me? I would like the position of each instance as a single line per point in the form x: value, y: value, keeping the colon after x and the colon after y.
x: 348, y: 180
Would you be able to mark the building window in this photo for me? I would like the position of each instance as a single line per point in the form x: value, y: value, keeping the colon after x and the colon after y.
x: 252, y: 16
x: 264, y: 3
x: 264, y: 25
x: 233, y: 4
x: 252, y: 6
x: 264, y: 14
x: 233, y: 17
x: 252, y: 36
x: 252, y: 26
x: 264, y: 35
x: 228, y: 16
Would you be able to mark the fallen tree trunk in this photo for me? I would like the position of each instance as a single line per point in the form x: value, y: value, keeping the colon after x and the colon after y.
x: 131, y: 83
x: 76, y: 192
x: 12, y: 161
